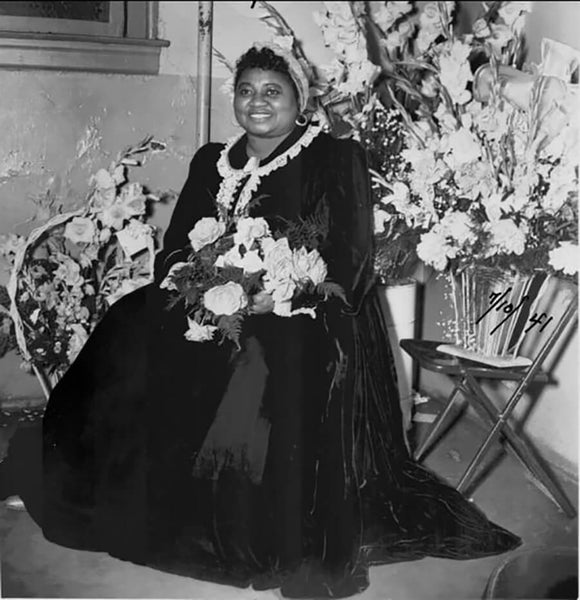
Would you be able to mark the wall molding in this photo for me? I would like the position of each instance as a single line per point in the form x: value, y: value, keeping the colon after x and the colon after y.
x: 100, y: 54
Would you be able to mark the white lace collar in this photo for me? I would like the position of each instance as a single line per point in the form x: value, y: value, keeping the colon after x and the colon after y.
x: 233, y: 177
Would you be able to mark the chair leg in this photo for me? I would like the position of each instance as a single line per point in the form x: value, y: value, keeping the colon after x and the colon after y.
x: 520, y: 448
x: 438, y: 424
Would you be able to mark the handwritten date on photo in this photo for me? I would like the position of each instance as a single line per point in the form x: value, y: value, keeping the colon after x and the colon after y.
x: 498, y: 300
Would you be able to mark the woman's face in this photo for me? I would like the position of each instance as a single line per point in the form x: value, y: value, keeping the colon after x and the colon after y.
x: 265, y: 104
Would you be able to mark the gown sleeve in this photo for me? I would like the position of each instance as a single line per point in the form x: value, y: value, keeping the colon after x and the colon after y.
x: 195, y: 202
x: 350, y: 237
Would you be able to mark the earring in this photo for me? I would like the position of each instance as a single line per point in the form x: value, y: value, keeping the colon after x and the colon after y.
x: 301, y: 120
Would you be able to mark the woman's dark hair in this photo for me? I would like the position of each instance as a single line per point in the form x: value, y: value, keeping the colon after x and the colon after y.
x: 265, y: 59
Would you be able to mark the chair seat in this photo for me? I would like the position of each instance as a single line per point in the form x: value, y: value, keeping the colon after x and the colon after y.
x: 426, y: 354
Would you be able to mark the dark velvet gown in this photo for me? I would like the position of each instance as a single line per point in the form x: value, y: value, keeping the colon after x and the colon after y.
x: 280, y: 465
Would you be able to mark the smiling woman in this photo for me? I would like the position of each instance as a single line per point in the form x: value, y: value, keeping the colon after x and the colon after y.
x: 266, y: 101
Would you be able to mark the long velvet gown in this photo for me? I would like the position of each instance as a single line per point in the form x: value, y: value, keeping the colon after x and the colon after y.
x: 281, y: 465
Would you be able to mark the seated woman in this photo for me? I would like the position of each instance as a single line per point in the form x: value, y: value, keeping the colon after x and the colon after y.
x: 280, y: 465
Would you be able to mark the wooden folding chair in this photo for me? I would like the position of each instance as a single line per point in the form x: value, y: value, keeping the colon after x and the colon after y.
x: 467, y: 375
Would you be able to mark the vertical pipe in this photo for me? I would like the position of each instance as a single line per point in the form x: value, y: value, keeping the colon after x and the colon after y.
x: 204, y: 53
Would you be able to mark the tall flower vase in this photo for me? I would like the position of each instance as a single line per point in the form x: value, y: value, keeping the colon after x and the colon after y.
x: 491, y: 308
x: 399, y: 304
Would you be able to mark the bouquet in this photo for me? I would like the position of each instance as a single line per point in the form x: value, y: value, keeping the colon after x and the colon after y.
x: 232, y: 261
x: 68, y: 272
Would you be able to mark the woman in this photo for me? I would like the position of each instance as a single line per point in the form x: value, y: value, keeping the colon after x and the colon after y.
x: 284, y: 464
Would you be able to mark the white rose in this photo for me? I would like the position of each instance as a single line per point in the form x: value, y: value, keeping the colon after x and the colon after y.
x: 225, y: 299
x: 250, y: 229
x: 199, y: 333
x: 565, y: 258
x: 281, y: 291
x: 80, y: 230
x: 309, y: 266
x: 278, y: 259
x: 252, y: 263
x: 206, y: 231
x: 283, y: 309
x: 231, y: 258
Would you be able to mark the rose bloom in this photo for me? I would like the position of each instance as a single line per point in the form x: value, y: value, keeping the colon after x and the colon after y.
x: 249, y: 229
x: 199, y: 333
x: 225, y: 299
x: 80, y: 230
x: 282, y: 291
x: 252, y: 263
x: 206, y: 231
x: 278, y: 259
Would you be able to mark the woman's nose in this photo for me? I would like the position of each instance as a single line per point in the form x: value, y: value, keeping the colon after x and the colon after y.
x: 258, y: 100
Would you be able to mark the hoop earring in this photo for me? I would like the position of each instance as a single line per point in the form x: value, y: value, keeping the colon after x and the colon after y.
x: 301, y: 120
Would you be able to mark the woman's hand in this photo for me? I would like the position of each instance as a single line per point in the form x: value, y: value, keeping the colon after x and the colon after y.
x: 262, y: 303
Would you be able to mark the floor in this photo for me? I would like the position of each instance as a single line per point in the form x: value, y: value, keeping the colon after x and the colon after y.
x: 32, y: 567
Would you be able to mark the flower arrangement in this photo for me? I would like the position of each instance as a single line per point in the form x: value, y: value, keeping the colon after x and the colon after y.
x: 68, y: 272
x: 486, y: 173
x: 231, y: 261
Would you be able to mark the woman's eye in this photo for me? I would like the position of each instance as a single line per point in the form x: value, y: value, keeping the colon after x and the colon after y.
x: 244, y: 92
x: 273, y: 92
